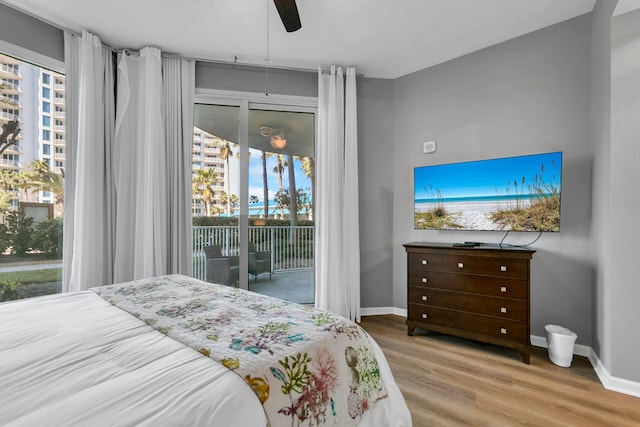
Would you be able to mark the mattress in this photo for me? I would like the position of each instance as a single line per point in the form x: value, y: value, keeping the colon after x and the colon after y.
x: 81, y: 359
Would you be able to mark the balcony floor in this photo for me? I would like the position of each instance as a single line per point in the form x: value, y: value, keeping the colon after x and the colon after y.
x: 294, y: 285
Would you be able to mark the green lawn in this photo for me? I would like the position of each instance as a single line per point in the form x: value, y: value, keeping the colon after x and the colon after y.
x: 33, y: 276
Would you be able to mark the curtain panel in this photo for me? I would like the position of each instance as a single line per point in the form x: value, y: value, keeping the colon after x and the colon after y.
x: 128, y: 173
x: 88, y: 216
x: 337, y: 273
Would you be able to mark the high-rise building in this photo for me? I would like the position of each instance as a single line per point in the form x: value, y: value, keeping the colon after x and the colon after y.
x: 36, y: 98
x: 206, y: 155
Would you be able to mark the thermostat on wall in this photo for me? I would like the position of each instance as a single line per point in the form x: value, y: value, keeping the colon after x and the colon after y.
x: 429, y: 147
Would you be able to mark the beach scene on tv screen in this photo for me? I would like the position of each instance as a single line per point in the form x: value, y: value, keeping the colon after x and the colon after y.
x: 509, y: 194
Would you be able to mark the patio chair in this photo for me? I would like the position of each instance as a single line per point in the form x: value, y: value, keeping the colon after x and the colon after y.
x: 223, y: 270
x: 259, y: 262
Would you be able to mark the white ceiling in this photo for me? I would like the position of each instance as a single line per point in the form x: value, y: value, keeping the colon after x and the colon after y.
x: 382, y: 38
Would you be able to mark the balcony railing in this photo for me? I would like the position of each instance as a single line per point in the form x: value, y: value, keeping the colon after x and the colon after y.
x: 291, y: 247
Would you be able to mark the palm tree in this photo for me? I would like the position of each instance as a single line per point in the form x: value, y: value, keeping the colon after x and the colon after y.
x: 279, y: 169
x: 202, y: 186
x: 5, y: 201
x: 226, y: 154
x: 308, y: 167
x: 7, y: 179
x: 10, y: 131
x: 293, y: 199
x: 25, y: 181
x: 265, y: 193
x: 42, y: 178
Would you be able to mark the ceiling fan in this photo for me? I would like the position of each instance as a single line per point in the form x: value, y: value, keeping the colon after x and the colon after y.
x: 289, y: 14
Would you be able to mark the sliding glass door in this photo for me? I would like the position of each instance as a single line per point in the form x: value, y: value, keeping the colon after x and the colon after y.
x: 253, y: 182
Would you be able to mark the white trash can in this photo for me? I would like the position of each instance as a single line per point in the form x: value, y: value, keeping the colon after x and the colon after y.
x: 560, y: 342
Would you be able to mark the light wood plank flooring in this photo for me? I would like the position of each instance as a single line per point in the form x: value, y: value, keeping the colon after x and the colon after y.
x: 447, y: 381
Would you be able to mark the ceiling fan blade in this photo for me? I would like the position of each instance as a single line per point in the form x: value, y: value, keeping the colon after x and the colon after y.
x: 289, y: 14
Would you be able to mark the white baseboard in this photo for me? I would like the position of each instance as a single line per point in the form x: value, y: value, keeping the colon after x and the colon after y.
x: 578, y: 349
x: 380, y: 311
x: 609, y: 382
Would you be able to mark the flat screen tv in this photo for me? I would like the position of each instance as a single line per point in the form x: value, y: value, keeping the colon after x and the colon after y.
x: 509, y: 194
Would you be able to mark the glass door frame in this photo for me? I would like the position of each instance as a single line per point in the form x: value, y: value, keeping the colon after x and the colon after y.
x: 247, y: 101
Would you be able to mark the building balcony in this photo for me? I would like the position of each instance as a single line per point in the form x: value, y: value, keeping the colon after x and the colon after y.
x: 59, y: 128
x: 10, y: 164
x: 58, y: 156
x: 58, y: 100
x: 8, y: 116
x: 13, y: 149
x: 59, y: 114
x: 11, y: 71
x: 59, y: 142
x: 10, y: 87
x: 59, y: 87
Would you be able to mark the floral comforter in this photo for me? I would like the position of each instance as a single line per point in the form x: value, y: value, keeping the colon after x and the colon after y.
x: 306, y: 366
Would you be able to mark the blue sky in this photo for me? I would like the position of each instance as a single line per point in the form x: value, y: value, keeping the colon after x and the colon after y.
x: 255, y: 176
x: 485, y: 177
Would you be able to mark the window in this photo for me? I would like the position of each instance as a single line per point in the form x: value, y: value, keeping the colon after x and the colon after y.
x: 59, y: 164
x: 59, y: 150
x: 29, y: 98
x: 59, y: 123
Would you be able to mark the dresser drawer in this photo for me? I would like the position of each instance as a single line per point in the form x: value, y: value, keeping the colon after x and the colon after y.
x: 486, y: 266
x: 485, y: 325
x: 425, y: 261
x: 503, y: 308
x: 505, y: 288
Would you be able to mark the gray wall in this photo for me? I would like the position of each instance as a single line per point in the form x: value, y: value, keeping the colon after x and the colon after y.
x: 30, y: 33
x: 624, y: 212
x: 527, y: 95
x: 600, y: 137
x: 254, y: 79
x: 376, y: 148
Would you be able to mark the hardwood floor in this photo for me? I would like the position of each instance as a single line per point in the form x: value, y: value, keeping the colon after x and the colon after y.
x: 447, y: 381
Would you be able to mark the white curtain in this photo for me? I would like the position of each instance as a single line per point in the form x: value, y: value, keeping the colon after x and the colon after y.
x: 88, y: 190
x: 128, y: 178
x: 140, y: 169
x: 337, y: 271
x: 178, y: 100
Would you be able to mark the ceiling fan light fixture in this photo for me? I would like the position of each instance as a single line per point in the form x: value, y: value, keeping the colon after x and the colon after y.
x: 278, y: 141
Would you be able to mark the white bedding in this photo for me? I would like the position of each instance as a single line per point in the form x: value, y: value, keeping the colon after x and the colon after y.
x: 76, y: 360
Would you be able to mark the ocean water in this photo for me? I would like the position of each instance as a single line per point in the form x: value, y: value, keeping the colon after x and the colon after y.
x: 480, y: 199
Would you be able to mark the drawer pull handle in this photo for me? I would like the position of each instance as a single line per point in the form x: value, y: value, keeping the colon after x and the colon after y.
x: 425, y: 262
x: 503, y: 330
x: 460, y: 265
x: 424, y: 315
x: 503, y: 268
x: 425, y: 280
x: 503, y: 289
x: 503, y: 309
x: 424, y: 298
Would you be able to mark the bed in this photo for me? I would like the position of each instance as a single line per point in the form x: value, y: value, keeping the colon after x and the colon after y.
x: 175, y: 351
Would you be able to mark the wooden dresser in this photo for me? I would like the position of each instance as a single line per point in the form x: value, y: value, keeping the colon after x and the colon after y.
x: 479, y: 292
